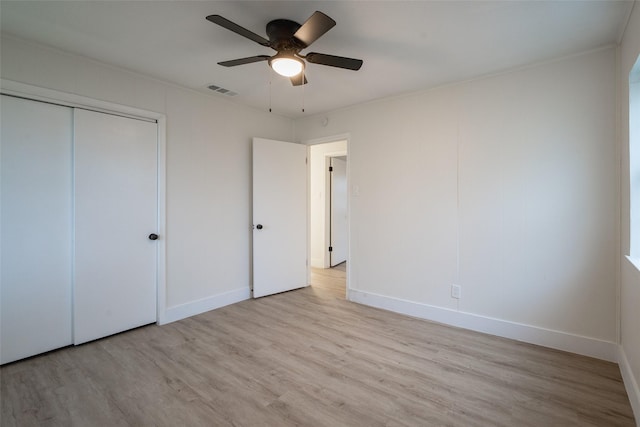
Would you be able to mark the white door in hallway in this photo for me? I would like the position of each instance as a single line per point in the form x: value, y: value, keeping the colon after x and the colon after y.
x: 279, y: 216
x: 116, y: 218
x: 339, y: 227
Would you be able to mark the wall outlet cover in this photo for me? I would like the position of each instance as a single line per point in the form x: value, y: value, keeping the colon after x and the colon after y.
x: 456, y: 291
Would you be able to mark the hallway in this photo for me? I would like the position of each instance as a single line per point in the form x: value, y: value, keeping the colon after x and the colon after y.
x: 330, y: 280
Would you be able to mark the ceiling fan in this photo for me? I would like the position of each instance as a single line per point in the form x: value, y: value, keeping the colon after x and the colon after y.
x: 288, y: 38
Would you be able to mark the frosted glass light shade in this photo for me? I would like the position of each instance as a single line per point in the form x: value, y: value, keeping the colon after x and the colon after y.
x: 287, y: 67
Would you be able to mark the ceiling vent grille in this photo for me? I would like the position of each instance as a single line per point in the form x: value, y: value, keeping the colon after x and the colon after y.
x: 222, y: 90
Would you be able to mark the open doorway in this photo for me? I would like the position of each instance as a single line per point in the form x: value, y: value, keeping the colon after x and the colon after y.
x: 328, y: 212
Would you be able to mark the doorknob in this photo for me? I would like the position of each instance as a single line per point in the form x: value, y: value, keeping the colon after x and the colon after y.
x: 259, y: 226
x: 153, y: 236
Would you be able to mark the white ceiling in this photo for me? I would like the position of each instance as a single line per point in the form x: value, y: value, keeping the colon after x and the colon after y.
x: 406, y: 46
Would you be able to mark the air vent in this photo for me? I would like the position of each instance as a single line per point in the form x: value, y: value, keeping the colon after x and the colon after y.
x: 222, y: 90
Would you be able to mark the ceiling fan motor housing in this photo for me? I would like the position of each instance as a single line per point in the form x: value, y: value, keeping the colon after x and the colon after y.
x: 280, y: 33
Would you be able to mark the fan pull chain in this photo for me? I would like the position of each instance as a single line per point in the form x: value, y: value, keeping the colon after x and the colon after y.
x: 270, y: 78
x: 303, y: 78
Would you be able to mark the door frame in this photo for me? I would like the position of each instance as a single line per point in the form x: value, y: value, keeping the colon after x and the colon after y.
x: 327, y: 156
x: 22, y: 90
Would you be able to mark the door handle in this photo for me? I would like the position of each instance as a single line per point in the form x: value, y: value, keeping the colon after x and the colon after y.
x: 259, y: 226
x: 153, y: 236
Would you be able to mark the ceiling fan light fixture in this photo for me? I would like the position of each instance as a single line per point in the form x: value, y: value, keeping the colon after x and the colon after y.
x: 286, y: 65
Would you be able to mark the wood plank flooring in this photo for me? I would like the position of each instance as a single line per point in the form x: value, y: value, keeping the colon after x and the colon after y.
x: 331, y: 280
x: 310, y: 358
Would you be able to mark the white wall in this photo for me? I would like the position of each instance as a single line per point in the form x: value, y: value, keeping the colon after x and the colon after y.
x: 630, y: 283
x: 633, y: 136
x: 317, y: 202
x: 505, y: 185
x: 208, y: 168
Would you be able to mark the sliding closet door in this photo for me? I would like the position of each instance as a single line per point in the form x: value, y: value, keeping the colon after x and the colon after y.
x: 116, y: 215
x: 35, y: 229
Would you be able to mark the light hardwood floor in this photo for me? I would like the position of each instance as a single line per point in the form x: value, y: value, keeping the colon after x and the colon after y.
x: 310, y: 358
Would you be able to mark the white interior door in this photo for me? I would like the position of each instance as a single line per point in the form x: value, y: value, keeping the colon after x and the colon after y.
x: 36, y: 206
x: 116, y: 210
x: 338, y: 211
x: 279, y: 216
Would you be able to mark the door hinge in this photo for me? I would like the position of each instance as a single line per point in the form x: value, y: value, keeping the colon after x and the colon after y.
x: 330, y: 168
x: 306, y: 160
x: 330, y: 248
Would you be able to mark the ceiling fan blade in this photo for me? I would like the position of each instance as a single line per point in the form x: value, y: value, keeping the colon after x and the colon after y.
x: 334, y: 61
x: 298, y: 80
x: 314, y: 28
x: 232, y: 26
x: 242, y: 61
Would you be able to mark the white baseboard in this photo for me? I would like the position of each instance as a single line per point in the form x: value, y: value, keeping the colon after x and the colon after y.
x: 578, y: 344
x: 630, y: 383
x: 189, y: 309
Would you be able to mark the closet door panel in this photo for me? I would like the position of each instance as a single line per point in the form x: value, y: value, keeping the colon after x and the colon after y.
x: 116, y: 209
x: 35, y: 227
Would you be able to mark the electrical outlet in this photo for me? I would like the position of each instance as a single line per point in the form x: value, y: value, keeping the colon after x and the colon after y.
x: 456, y: 291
